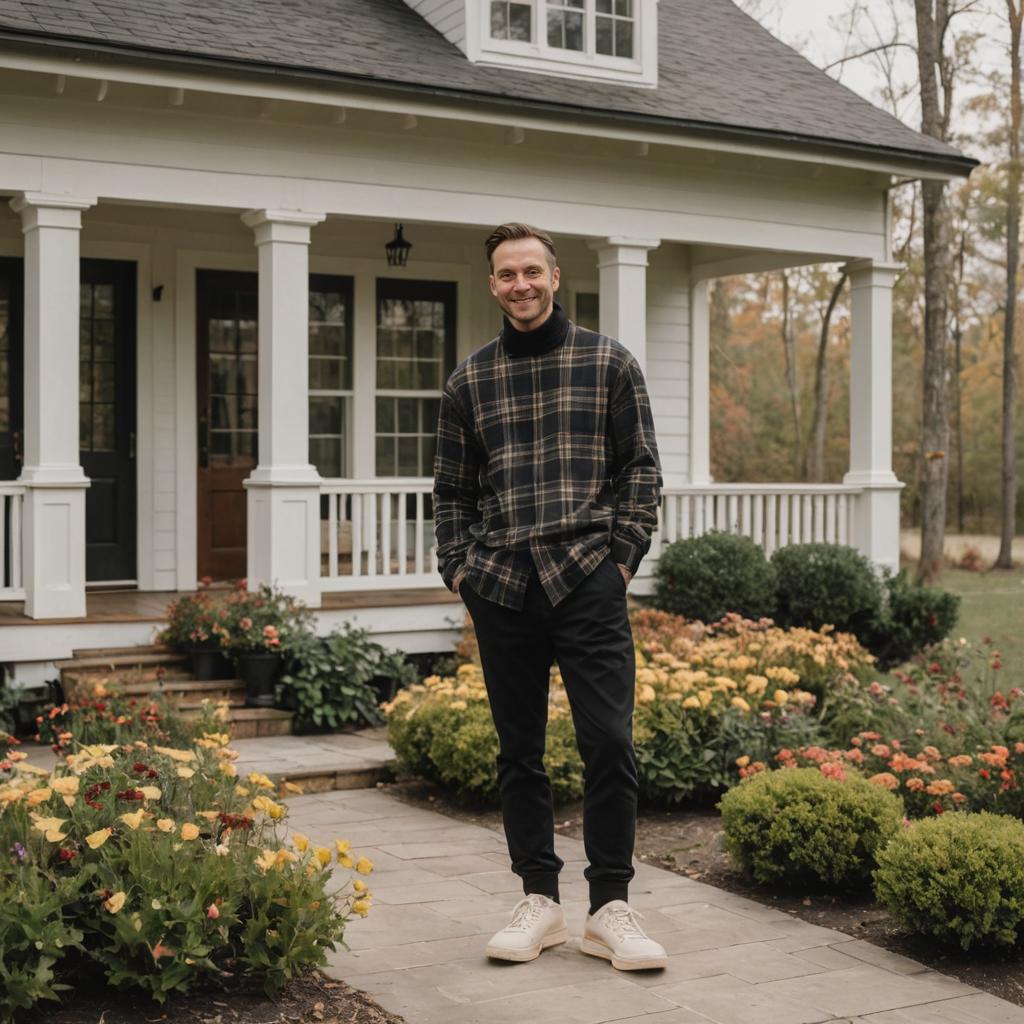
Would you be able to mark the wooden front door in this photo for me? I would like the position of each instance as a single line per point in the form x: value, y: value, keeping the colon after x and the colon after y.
x: 226, y: 387
x: 106, y: 412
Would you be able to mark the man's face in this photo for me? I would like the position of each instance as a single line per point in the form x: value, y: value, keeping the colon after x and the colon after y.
x: 523, y: 282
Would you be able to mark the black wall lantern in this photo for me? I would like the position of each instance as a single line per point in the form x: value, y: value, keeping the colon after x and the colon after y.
x: 398, y: 249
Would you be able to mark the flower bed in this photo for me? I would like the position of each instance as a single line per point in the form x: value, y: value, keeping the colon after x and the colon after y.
x: 705, y: 694
x: 161, y: 869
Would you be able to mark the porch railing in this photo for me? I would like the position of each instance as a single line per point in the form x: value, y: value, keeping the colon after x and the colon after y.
x: 11, y: 583
x: 771, y: 515
x: 377, y: 534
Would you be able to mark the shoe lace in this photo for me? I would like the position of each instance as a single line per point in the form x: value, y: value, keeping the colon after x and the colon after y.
x: 624, y: 922
x: 525, y: 914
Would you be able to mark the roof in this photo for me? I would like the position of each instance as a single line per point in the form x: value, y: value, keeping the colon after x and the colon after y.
x: 718, y: 68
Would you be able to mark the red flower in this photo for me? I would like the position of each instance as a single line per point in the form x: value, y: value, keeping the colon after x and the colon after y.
x: 938, y: 808
x: 66, y: 855
x: 984, y: 773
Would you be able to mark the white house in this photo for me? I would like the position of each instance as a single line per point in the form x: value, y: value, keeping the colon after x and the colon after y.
x: 208, y: 366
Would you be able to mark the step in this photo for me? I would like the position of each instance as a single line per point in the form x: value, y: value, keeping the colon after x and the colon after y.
x: 121, y: 661
x: 115, y: 652
x: 251, y: 723
x: 185, y: 685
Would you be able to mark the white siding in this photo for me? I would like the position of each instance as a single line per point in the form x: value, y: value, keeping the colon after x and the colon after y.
x: 447, y: 16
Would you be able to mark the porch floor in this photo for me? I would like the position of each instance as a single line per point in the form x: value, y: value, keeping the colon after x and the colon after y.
x: 149, y: 606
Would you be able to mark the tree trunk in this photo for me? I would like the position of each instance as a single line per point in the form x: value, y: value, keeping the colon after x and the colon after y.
x: 935, y: 420
x: 816, y: 445
x: 789, y: 350
x: 1004, y: 560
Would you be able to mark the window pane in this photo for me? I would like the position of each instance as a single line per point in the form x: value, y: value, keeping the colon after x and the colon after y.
x: 605, y: 39
x: 103, y: 300
x: 247, y: 336
x: 519, y: 27
x: 499, y: 19
x: 103, y: 382
x: 385, y: 415
x: 431, y: 414
x: 429, y: 377
x: 408, y: 415
x: 85, y: 382
x: 85, y: 426
x: 326, y: 454
x: 588, y: 310
x: 386, y: 457
x: 624, y: 39
x: 408, y: 456
x: 624, y: 8
x: 327, y: 339
x: 604, y: 7
x: 103, y: 339
x: 103, y: 428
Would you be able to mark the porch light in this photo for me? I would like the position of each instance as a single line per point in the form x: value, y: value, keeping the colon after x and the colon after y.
x: 398, y: 249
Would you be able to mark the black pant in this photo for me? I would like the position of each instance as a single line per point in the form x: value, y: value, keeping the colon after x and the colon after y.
x: 588, y: 634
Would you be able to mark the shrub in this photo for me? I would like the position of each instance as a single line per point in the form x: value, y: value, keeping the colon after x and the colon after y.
x: 958, y: 878
x: 910, y: 619
x: 195, y: 620
x: 798, y: 827
x: 329, y: 679
x: 821, y: 584
x: 705, y: 577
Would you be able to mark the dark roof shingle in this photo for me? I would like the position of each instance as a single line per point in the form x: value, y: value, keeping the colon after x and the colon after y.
x: 717, y: 66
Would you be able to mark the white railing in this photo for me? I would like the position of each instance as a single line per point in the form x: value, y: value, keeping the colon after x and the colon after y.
x: 11, y: 583
x: 376, y: 534
x: 771, y: 515
x: 379, y: 534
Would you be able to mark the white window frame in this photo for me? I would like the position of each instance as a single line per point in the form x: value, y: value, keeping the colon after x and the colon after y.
x: 538, y: 56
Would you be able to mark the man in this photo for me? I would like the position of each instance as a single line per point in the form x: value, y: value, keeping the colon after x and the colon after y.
x: 546, y: 487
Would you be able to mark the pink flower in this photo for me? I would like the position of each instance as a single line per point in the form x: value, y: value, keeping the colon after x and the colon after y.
x: 213, y: 912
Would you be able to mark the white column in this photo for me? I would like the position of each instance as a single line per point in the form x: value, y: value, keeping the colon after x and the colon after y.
x: 283, y: 504
x: 876, y: 531
x: 54, y: 517
x: 700, y: 385
x: 622, y: 268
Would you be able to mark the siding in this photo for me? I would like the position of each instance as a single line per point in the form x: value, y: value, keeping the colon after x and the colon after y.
x: 447, y: 16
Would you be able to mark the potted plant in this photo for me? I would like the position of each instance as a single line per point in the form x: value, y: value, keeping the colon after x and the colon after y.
x: 196, y: 624
x: 263, y: 626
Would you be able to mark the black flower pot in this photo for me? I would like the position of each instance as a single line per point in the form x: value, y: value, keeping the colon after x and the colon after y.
x: 259, y: 671
x: 208, y: 661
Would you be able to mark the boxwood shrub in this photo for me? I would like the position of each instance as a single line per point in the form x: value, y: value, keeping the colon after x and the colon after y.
x: 705, y: 577
x: 797, y: 827
x: 958, y: 878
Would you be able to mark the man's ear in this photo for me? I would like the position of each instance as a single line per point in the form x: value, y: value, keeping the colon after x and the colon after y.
x: 556, y: 276
x: 493, y: 285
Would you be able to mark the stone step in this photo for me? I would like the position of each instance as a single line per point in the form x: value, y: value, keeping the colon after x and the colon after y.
x: 173, y: 686
x: 117, y: 662
x: 115, y: 652
x: 251, y: 723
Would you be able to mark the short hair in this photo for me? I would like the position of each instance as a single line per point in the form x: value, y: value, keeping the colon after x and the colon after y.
x: 514, y: 232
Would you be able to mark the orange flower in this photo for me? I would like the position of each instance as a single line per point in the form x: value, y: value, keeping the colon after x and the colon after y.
x: 886, y: 780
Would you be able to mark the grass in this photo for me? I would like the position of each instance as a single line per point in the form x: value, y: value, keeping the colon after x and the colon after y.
x: 992, y: 605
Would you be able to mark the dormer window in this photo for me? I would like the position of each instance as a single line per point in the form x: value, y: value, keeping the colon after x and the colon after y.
x: 614, y: 24
x: 512, y: 20
x: 565, y: 24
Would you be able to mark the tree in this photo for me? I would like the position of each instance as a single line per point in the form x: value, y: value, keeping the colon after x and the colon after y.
x: 814, y: 469
x: 1004, y: 560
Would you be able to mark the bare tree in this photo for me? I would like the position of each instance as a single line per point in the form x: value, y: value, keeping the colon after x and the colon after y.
x: 815, y: 460
x: 1004, y: 560
x: 789, y: 351
x: 935, y: 72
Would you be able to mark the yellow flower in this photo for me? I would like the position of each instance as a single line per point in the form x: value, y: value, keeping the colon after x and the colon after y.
x: 300, y: 842
x: 208, y: 815
x: 691, y: 702
x: 165, y: 824
x: 41, y: 824
x: 176, y: 755
x: 38, y: 796
x: 742, y: 762
x: 266, y: 860
x: 780, y: 697
x: 364, y: 865
x: 359, y: 885
x: 291, y: 787
x: 184, y: 773
x: 323, y: 855
x: 342, y: 846
x: 189, y: 831
x: 285, y: 856
x: 228, y: 770
x: 241, y: 791
x: 646, y: 694
x: 259, y: 779
x: 361, y: 907
x: 115, y: 903
x: 739, y: 702
x: 98, y: 838
x: 151, y: 792
x: 66, y: 786
x: 134, y: 820
x: 344, y: 860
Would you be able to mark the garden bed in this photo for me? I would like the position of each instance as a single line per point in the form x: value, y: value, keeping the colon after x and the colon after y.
x: 689, y: 842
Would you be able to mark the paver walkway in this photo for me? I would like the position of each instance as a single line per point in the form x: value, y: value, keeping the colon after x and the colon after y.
x: 442, y: 887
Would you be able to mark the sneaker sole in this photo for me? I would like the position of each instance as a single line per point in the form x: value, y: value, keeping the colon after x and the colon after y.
x: 523, y: 955
x: 593, y: 947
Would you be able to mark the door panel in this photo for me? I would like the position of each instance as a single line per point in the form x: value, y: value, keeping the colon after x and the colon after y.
x: 11, y: 381
x: 226, y: 390
x: 106, y: 414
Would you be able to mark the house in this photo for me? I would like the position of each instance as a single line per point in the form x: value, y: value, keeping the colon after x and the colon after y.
x: 199, y: 197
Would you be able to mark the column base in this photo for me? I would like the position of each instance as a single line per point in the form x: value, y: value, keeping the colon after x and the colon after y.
x: 876, y: 523
x: 54, y: 550
x: 284, y: 536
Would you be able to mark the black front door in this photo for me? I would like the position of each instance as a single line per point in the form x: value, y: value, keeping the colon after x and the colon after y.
x: 106, y: 413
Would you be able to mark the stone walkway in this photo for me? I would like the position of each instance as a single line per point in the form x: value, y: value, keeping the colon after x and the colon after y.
x: 442, y: 887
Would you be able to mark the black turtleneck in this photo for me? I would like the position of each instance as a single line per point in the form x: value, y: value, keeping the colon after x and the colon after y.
x: 541, y: 339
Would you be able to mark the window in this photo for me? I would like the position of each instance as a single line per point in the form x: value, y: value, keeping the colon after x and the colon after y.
x: 565, y: 24
x: 97, y: 368
x: 330, y: 372
x: 588, y: 310
x: 614, y: 28
x: 512, y: 20
x: 415, y: 354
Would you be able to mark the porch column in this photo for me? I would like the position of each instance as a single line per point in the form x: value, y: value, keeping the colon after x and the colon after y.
x: 876, y: 532
x: 283, y: 505
x: 700, y: 385
x: 622, y: 268
x: 54, y: 511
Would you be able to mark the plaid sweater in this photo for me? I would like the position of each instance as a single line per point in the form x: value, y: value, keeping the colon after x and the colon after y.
x: 544, y: 461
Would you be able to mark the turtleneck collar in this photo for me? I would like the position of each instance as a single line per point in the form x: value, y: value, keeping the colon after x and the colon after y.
x: 541, y: 339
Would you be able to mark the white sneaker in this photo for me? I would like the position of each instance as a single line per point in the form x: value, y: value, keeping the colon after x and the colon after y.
x: 614, y: 933
x: 537, y: 922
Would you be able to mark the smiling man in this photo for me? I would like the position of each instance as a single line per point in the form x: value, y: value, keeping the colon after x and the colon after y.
x: 546, y: 489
